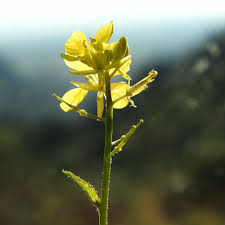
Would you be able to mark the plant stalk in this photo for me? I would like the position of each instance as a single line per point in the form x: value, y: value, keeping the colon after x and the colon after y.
x: 103, y: 212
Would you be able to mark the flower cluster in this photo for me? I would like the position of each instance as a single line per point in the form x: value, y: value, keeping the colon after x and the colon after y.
x: 96, y: 59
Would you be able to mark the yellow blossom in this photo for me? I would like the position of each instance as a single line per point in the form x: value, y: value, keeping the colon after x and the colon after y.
x: 88, y: 57
x: 77, y: 95
x: 99, y: 61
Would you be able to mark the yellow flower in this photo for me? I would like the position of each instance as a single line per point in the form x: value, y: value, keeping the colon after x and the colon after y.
x: 76, y: 96
x: 98, y: 61
x: 89, y: 57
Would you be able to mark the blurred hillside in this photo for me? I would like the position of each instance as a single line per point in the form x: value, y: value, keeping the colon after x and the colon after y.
x: 172, y: 172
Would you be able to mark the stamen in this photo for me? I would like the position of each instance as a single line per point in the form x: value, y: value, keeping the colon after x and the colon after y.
x: 95, y: 78
x: 85, y: 43
x: 90, y: 55
x: 89, y: 80
x: 92, y: 39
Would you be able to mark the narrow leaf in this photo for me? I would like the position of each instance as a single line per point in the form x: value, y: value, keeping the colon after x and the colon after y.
x: 86, y: 187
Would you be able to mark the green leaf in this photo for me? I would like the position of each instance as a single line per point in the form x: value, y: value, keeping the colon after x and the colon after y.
x: 86, y: 187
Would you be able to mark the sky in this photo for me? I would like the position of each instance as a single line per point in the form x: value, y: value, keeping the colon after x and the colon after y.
x: 161, y: 26
x: 25, y: 13
x: 52, y: 9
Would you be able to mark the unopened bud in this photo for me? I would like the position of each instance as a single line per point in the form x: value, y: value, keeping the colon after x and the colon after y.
x: 82, y: 112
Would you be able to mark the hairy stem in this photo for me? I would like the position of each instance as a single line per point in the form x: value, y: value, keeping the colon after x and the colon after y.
x: 103, y: 212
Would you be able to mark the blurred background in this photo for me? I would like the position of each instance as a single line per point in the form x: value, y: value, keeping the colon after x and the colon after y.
x: 171, y: 172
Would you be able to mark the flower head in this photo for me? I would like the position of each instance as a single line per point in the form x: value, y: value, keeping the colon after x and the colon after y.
x: 99, y: 61
x: 88, y: 57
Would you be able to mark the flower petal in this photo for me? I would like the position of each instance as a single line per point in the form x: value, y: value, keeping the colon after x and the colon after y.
x: 100, y: 104
x: 124, y: 75
x: 74, y: 97
x: 126, y: 66
x: 74, y: 45
x: 104, y: 33
x: 77, y: 65
x: 84, y: 86
x: 109, y: 46
x: 82, y: 72
x: 118, y: 90
x: 70, y: 58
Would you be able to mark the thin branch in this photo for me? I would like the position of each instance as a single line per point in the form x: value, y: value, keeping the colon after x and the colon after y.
x: 82, y: 112
x: 125, y: 138
x: 116, y: 142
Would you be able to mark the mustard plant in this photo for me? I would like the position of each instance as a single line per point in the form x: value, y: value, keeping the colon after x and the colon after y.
x: 98, y: 61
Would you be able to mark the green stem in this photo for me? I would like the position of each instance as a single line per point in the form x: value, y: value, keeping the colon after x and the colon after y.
x: 82, y: 112
x: 103, y: 213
